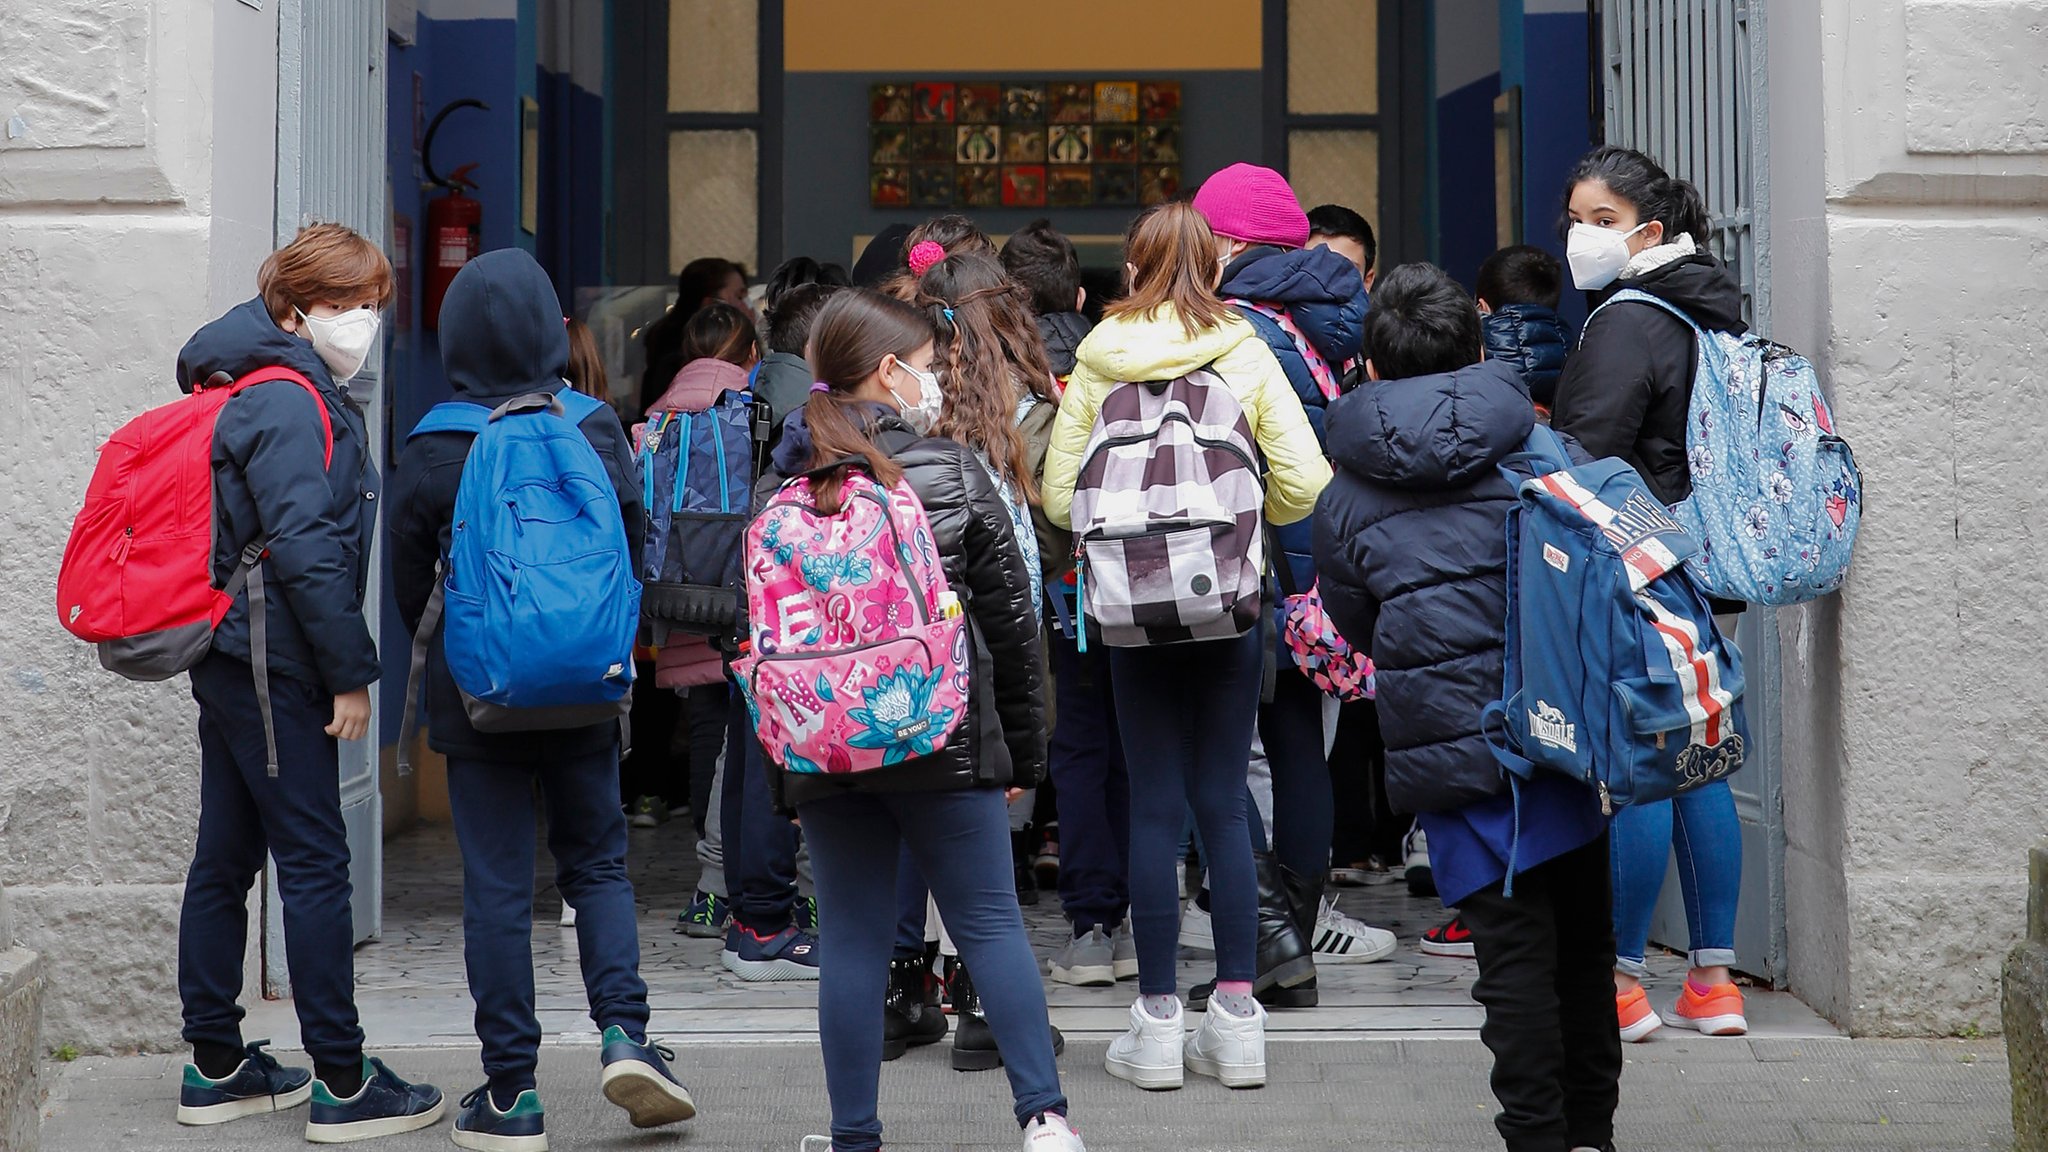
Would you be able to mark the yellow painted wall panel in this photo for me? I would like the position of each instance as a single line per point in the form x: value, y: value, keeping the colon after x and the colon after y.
x: 1043, y: 36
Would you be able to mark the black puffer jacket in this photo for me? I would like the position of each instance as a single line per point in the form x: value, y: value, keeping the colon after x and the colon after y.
x: 1530, y: 339
x: 1063, y: 333
x: 1003, y: 741
x: 1627, y: 389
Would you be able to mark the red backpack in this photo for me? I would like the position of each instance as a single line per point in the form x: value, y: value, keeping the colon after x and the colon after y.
x: 136, y: 577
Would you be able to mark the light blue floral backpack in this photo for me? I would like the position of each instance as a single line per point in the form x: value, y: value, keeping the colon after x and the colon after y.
x: 1776, y: 496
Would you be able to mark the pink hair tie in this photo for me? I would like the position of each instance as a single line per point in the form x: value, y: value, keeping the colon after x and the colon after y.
x: 820, y: 386
x: 923, y: 255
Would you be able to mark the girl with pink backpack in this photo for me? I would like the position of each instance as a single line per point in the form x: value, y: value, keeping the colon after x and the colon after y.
x: 893, y: 679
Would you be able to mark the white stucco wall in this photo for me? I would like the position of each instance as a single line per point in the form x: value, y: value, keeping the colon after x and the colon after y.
x: 1914, y: 757
x: 135, y: 206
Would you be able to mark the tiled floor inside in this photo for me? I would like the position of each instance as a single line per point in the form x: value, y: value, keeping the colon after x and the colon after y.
x: 411, y: 989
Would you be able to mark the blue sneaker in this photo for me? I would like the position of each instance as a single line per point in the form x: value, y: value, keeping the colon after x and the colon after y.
x: 706, y: 917
x: 522, y: 1128
x: 806, y: 914
x: 260, y: 1085
x: 637, y: 1078
x: 791, y: 954
x: 383, y: 1106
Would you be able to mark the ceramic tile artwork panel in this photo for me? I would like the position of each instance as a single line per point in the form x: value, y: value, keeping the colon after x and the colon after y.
x: 1023, y: 144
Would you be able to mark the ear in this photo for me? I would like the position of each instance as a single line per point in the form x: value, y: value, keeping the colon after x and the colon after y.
x: 1130, y: 274
x: 1372, y: 371
x: 1651, y: 236
x: 1081, y: 298
x: 1485, y: 309
x: 1370, y: 273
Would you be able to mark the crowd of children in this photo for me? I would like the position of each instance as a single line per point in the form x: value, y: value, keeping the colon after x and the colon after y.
x: 1121, y: 702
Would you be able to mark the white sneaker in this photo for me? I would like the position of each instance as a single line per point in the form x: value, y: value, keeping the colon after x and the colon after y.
x: 1050, y: 1132
x: 568, y: 915
x: 1149, y: 1055
x: 1420, y: 876
x: 1230, y: 1048
x: 1196, y: 930
x: 1340, y: 939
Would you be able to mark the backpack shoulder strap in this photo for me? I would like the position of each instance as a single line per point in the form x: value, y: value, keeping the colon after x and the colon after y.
x: 280, y: 372
x: 453, y: 416
x: 1638, y: 296
x: 578, y: 407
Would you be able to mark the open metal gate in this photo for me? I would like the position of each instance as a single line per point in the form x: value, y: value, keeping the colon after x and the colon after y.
x: 1685, y: 83
x: 330, y: 167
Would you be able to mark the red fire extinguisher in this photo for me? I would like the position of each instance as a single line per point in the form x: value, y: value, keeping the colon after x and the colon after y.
x: 455, y: 222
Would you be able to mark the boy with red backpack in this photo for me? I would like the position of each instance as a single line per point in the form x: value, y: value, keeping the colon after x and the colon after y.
x: 283, y: 675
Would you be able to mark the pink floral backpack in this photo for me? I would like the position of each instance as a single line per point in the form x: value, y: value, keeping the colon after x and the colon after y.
x: 1322, y: 654
x: 857, y: 648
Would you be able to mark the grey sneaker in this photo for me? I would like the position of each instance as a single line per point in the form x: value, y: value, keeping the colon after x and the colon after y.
x: 1126, y: 950
x: 1088, y: 960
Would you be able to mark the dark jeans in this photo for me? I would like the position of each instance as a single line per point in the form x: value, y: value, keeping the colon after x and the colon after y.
x: 1367, y: 824
x: 296, y: 818
x: 759, y: 845
x: 1086, y: 761
x: 1291, y: 727
x: 961, y: 841
x: 1546, y: 978
x: 1186, y: 713
x: 705, y: 716
x: 650, y: 769
x: 492, y: 803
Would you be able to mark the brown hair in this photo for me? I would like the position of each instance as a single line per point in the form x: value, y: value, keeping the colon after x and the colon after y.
x: 719, y: 331
x: 991, y: 349
x: 853, y: 331
x: 586, y: 367
x: 1173, y: 256
x: 957, y: 234
x: 324, y: 264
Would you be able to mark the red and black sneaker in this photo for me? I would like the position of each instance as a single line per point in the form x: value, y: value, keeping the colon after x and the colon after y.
x: 1449, y: 939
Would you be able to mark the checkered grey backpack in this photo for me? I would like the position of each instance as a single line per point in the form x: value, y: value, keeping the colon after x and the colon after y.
x: 1167, y: 507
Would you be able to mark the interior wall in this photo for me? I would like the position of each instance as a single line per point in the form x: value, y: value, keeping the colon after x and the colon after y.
x: 1466, y: 42
x: 1543, y: 49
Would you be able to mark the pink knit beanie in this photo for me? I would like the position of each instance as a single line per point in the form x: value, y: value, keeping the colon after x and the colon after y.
x: 1247, y: 202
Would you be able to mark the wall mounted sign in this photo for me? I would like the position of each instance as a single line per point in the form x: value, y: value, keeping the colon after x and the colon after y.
x: 1023, y: 144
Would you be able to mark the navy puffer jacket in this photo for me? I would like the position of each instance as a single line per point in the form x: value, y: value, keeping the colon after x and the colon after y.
x: 1530, y: 339
x: 1411, y: 542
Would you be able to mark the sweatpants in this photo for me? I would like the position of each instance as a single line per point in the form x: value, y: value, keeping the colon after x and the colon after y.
x: 1086, y: 759
x: 1186, y: 713
x: 961, y: 842
x: 492, y: 803
x: 295, y: 817
x: 1546, y: 963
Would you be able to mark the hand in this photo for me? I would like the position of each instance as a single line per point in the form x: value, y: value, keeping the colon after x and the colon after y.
x: 351, y: 715
x: 1011, y: 794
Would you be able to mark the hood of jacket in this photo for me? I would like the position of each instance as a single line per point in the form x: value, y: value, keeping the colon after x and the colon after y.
x: 1063, y: 333
x: 1432, y: 432
x: 792, y: 455
x: 1699, y: 285
x: 699, y: 384
x: 1130, y: 349
x: 243, y: 340
x: 502, y: 333
x: 1319, y: 289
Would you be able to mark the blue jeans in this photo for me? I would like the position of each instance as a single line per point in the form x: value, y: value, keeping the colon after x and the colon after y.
x: 492, y: 803
x: 759, y: 845
x: 1701, y: 827
x: 1186, y: 713
x: 296, y: 817
x: 961, y: 843
x: 1086, y: 760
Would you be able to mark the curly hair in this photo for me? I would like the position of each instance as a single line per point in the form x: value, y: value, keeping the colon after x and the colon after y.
x: 991, y: 354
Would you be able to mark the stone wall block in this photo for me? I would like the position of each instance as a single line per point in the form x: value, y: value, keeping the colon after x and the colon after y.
x: 2025, y: 1011
x: 21, y: 1044
x: 113, y: 963
x: 1974, y: 76
x: 1926, y: 952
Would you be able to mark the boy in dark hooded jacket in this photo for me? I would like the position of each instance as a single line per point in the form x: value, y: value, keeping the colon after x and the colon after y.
x: 502, y: 336
x: 1519, y: 288
x: 1411, y: 542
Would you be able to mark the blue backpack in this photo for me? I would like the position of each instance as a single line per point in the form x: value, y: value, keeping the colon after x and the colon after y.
x: 697, y: 472
x: 1616, y: 673
x: 537, y: 602
x: 1776, y: 496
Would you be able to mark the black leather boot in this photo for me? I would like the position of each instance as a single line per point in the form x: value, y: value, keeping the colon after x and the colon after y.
x: 974, y: 1043
x: 908, y: 1019
x: 1286, y: 967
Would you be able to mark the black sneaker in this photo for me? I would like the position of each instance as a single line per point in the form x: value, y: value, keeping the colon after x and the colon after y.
x: 258, y: 1086
x: 909, y: 1019
x: 520, y: 1128
x: 637, y: 1078
x: 384, y: 1106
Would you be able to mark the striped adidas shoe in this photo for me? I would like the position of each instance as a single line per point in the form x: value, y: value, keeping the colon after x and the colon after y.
x: 1340, y: 939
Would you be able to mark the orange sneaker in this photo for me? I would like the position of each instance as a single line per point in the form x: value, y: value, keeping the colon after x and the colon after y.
x: 1637, y: 1018
x: 1716, y: 1013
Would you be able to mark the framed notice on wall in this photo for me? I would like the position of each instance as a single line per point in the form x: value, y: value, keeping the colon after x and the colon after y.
x: 1023, y: 144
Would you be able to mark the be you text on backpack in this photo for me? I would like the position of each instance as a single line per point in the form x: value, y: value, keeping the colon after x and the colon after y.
x: 1616, y: 673
x: 697, y: 471
x: 1168, y: 540
x: 858, y: 651
x: 537, y: 603
x: 1776, y: 496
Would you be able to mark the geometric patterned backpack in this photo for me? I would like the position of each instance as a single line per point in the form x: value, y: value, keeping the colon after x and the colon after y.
x: 1776, y: 496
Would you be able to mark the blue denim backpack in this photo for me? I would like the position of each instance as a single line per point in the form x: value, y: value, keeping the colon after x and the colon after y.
x: 1776, y: 497
x: 1616, y: 673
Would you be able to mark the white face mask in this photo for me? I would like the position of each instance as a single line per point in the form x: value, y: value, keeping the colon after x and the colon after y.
x: 1598, y: 255
x: 922, y: 413
x: 343, y: 341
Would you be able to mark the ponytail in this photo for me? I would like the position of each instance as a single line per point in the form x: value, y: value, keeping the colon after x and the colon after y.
x: 991, y: 349
x: 837, y: 434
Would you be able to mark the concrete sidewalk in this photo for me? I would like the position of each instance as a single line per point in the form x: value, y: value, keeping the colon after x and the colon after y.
x: 1684, y: 1094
